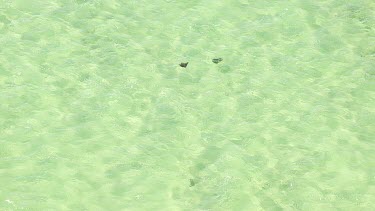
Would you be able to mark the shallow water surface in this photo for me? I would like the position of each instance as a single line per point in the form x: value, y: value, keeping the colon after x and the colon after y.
x: 97, y: 114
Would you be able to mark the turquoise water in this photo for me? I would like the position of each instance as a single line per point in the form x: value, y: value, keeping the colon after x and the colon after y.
x: 97, y: 114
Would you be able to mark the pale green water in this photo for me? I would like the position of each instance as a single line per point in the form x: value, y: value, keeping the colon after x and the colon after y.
x: 96, y: 114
